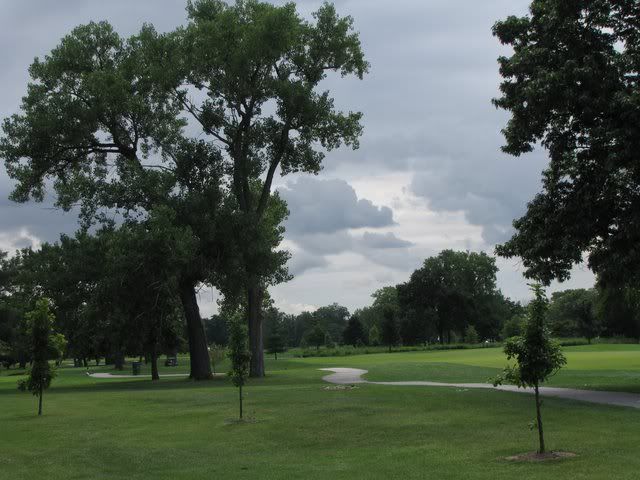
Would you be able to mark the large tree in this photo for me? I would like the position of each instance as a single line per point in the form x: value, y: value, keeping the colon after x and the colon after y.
x: 450, y: 291
x: 96, y: 121
x: 573, y: 313
x: 249, y: 74
x: 572, y: 86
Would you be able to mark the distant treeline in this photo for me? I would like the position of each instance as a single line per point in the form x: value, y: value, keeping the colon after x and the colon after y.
x: 452, y: 298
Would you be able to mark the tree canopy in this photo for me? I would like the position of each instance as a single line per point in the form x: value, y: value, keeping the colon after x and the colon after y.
x: 571, y: 85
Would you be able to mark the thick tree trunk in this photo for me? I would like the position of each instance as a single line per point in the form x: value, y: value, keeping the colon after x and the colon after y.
x: 118, y: 361
x: 539, y: 415
x: 256, y: 366
x: 154, y: 364
x: 198, y: 348
x: 40, y: 401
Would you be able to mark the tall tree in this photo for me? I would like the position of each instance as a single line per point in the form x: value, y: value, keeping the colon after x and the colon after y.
x: 390, y: 332
x: 618, y: 309
x: 353, y: 333
x: 537, y: 356
x: 450, y: 291
x: 259, y: 67
x: 40, y: 325
x: 275, y: 340
x: 571, y: 85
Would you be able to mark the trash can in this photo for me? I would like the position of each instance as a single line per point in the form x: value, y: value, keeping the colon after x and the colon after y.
x: 136, y: 367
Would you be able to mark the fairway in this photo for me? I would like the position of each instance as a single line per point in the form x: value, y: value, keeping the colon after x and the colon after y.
x: 301, y: 427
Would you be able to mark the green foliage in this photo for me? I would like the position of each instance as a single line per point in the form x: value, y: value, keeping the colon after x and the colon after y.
x: 513, y: 327
x: 471, y: 335
x: 618, y: 308
x: 570, y: 85
x: 275, y: 340
x: 353, y: 333
x: 374, y: 336
x: 572, y: 313
x: 450, y: 291
x: 217, y: 353
x: 390, y: 332
x: 40, y: 323
x: 238, y: 351
x: 315, y: 336
x: 58, y: 346
x: 537, y: 356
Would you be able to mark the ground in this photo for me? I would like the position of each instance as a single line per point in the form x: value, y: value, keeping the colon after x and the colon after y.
x: 301, y: 427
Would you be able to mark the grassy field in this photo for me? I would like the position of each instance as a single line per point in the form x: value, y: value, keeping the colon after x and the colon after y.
x: 301, y: 427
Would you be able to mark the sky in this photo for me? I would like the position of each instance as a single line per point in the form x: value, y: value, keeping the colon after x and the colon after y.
x: 429, y: 174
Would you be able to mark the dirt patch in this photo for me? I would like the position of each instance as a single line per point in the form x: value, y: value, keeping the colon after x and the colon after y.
x: 540, y: 457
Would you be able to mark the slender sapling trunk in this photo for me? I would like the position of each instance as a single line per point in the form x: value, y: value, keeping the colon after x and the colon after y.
x: 539, y: 420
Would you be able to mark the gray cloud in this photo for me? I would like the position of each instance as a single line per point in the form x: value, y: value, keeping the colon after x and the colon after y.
x: 383, y: 240
x: 327, y: 206
x: 303, y: 261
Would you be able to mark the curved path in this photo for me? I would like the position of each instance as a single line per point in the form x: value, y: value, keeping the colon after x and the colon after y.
x: 350, y: 376
x: 111, y: 375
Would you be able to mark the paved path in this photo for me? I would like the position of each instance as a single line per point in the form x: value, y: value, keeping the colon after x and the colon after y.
x: 354, y: 375
x: 117, y: 375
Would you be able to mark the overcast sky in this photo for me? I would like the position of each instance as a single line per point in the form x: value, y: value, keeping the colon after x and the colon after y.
x: 429, y: 174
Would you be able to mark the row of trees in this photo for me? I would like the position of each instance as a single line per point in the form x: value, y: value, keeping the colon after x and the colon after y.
x: 452, y: 297
x: 186, y: 130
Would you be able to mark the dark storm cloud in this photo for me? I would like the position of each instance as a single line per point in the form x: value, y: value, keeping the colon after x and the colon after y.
x: 328, y: 206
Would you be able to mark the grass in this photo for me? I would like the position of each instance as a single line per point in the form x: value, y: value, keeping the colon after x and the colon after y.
x: 178, y: 429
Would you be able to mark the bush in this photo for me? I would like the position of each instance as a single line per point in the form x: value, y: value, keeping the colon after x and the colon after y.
x: 471, y: 335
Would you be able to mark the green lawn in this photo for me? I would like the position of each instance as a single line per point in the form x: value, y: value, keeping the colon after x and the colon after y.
x: 178, y: 429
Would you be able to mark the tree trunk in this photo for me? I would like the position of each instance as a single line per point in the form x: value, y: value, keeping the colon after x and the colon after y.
x: 539, y: 415
x: 40, y: 401
x: 240, y: 390
x: 256, y: 366
x: 154, y: 364
x: 198, y: 349
x: 118, y: 361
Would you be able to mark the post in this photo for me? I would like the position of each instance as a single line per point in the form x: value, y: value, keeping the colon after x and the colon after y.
x: 540, y: 432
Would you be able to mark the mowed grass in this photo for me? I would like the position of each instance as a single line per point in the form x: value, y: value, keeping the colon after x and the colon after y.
x: 300, y: 427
